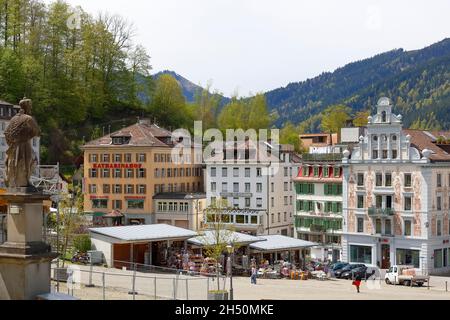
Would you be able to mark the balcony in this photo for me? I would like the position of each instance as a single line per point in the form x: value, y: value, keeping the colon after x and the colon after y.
x: 381, y: 211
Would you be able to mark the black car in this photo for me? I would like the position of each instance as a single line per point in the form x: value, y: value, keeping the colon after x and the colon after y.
x: 338, y: 265
x: 360, y: 272
x: 339, y: 273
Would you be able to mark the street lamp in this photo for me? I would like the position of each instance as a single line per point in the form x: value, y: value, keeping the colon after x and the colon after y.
x: 230, y: 250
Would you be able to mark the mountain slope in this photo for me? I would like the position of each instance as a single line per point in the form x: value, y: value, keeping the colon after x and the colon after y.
x: 417, y: 81
x: 189, y: 88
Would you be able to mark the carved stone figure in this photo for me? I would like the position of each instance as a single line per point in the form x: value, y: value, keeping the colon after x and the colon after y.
x: 417, y: 206
x: 20, y: 158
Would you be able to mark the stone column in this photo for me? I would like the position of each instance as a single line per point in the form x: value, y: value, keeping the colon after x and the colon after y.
x: 25, y: 260
x: 379, y: 146
x: 389, y: 147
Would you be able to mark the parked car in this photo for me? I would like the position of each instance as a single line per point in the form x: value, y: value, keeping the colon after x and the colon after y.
x: 348, y: 268
x: 361, y: 272
x: 338, y: 265
x: 405, y: 275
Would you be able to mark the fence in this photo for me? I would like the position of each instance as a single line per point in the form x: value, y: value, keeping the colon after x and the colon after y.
x: 93, y: 283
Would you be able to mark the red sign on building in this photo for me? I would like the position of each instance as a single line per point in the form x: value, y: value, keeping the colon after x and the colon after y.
x: 117, y: 165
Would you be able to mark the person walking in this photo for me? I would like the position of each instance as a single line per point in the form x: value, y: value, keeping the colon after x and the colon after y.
x: 357, y: 283
x: 253, y: 275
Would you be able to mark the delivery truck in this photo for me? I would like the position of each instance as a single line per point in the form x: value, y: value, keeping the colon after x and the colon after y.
x: 405, y: 275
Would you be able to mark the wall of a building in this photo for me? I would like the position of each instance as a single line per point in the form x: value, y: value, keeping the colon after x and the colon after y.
x: 149, y: 181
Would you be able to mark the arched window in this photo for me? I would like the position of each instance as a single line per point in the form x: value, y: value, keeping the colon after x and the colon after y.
x: 383, y: 116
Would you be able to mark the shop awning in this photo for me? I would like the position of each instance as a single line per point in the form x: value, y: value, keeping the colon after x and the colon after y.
x: 114, y: 214
x: 211, y: 237
x: 280, y: 243
x: 143, y: 233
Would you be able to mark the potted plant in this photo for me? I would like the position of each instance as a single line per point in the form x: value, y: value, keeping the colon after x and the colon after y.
x: 217, y: 295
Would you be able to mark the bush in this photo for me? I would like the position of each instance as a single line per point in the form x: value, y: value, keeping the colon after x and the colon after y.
x: 82, y: 243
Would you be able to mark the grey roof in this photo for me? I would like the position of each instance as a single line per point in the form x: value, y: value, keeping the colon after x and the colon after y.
x: 179, y: 196
x: 209, y: 237
x: 153, y: 232
x: 280, y: 243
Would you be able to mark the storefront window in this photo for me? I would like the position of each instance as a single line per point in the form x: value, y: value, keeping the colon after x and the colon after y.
x: 361, y: 254
x: 240, y: 219
x: 100, y: 204
x: 445, y: 257
x: 438, y: 258
x: 136, y: 204
x: 408, y: 257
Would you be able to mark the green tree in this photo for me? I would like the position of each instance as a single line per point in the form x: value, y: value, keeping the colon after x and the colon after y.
x: 168, y: 105
x: 206, y: 107
x: 289, y: 134
x: 258, y: 115
x: 334, y: 118
x: 361, y: 119
x: 219, y: 236
x: 233, y: 115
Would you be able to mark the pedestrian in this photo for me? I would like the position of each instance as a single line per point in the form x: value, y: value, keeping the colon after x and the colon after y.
x: 357, y: 282
x: 253, y: 275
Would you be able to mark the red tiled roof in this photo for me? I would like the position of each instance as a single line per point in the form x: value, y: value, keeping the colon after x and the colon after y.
x: 142, y: 134
x: 427, y: 140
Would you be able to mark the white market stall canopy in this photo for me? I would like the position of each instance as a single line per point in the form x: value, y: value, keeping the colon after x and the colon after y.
x: 280, y: 243
x: 210, y: 237
x: 143, y: 233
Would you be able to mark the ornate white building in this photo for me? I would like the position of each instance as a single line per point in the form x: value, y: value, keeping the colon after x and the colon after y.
x: 396, y: 196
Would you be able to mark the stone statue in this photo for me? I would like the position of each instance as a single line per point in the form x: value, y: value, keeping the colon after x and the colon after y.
x: 20, y: 158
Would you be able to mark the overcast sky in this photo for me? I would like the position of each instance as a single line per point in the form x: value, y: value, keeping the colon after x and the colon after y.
x: 259, y: 45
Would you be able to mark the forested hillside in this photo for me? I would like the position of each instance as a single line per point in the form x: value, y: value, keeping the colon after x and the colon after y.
x: 77, y: 69
x: 418, y: 82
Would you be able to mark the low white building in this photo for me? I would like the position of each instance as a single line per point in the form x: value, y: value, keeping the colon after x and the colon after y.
x: 184, y: 210
x: 396, y: 196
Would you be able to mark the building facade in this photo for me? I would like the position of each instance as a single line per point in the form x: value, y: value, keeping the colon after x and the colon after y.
x: 183, y: 210
x: 318, y: 216
x: 259, y: 194
x: 126, y: 169
x: 396, y: 198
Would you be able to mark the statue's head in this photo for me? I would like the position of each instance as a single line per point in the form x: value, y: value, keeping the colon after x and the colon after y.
x: 25, y: 105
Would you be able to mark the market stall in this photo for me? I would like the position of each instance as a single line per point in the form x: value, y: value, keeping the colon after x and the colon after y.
x: 241, y: 251
x: 278, y: 256
x: 156, y: 245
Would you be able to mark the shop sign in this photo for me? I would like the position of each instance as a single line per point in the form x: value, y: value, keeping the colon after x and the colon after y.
x: 135, y: 198
x: 385, y: 240
x: 99, y: 198
x: 117, y: 165
x: 446, y: 241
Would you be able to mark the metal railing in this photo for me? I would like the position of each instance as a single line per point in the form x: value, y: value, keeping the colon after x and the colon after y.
x: 381, y: 211
x: 89, y: 283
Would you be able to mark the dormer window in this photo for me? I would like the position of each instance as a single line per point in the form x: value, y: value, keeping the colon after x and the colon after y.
x: 121, y: 140
x: 383, y: 116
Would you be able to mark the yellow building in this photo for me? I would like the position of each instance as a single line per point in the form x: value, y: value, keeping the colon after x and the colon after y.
x: 123, y: 171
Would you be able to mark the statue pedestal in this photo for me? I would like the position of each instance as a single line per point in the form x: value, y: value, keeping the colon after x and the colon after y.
x: 25, y: 260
